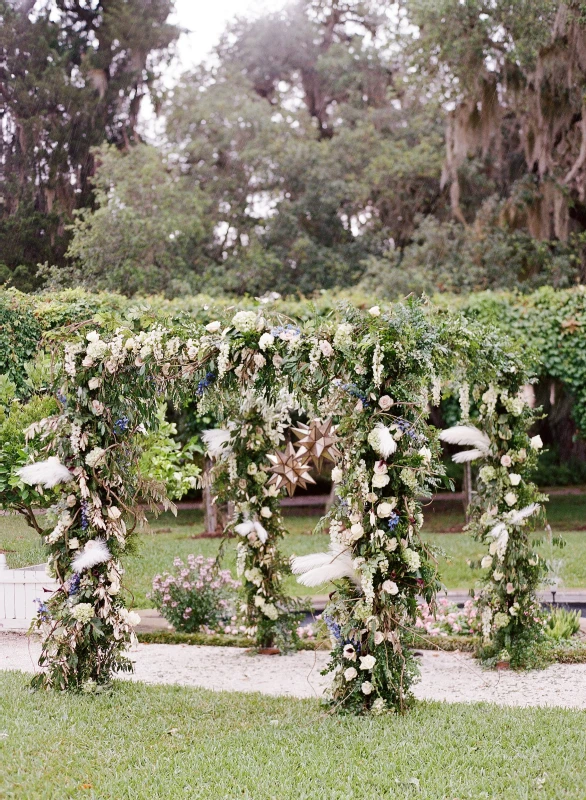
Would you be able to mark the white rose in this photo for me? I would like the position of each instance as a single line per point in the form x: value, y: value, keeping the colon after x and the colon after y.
x: 515, y: 479
x: 385, y: 402
x: 266, y: 512
x: 93, y: 336
x: 213, y: 327
x: 536, y: 443
x: 497, y: 576
x: 74, y: 543
x: 506, y: 461
x: 356, y: 531
x: 266, y: 340
x: 114, y: 512
x: 510, y: 498
x: 381, y: 468
x: 380, y: 481
x: 326, y: 348
x: 133, y: 619
x: 391, y: 545
x: 350, y: 673
x: 374, y: 311
x: 367, y: 662
x: 379, y: 637
x: 337, y: 475
x: 486, y: 562
x: 385, y: 509
x: 97, y: 408
x: 390, y: 587
x: 367, y: 687
x: 94, y: 383
x: 425, y: 453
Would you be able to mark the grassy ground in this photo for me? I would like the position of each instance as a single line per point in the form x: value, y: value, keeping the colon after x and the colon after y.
x: 151, y: 743
x: 169, y: 537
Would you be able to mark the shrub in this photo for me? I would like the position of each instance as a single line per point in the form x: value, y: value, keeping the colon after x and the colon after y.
x: 449, y: 619
x: 198, y: 596
x: 562, y: 624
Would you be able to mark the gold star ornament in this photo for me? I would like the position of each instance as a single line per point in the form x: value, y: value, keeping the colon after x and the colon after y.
x: 289, y: 471
x: 317, y: 441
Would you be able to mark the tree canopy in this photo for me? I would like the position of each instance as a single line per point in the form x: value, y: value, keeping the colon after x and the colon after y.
x: 424, y: 144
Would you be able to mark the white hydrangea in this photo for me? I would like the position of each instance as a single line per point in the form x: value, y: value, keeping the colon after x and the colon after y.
x: 343, y: 335
x: 244, y: 321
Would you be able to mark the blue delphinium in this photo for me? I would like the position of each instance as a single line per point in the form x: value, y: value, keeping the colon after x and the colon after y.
x: 42, y: 610
x: 393, y: 521
x: 205, y: 383
x: 84, y: 516
x: 121, y: 425
x: 333, y: 628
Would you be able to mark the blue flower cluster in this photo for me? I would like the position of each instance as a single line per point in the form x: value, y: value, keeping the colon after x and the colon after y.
x: 408, y: 428
x: 85, y: 522
x: 393, y: 521
x: 121, y: 425
x: 74, y: 584
x: 353, y: 390
x: 205, y: 383
x: 333, y: 628
x: 285, y: 329
x: 61, y: 398
x: 42, y: 610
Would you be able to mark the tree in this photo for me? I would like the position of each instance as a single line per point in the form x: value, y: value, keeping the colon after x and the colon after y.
x: 514, y: 73
x: 72, y: 74
x: 144, y: 233
x: 313, y: 147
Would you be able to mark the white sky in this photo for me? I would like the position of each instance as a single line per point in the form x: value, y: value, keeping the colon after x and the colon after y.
x: 206, y: 19
x: 204, y: 22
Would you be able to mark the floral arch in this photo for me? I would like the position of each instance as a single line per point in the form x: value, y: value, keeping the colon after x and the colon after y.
x: 375, y: 375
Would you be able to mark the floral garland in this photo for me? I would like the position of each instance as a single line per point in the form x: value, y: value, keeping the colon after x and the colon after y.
x: 505, y: 511
x: 371, y: 372
x: 240, y: 478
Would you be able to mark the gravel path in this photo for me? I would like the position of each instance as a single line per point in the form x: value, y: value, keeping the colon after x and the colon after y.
x: 452, y: 677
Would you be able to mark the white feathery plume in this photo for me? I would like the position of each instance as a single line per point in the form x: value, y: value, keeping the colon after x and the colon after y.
x: 47, y: 473
x: 468, y: 455
x: 467, y: 435
x: 497, y: 530
x: 216, y: 441
x: 95, y: 552
x: 318, y: 568
x: 385, y: 444
x: 516, y: 517
x: 252, y: 526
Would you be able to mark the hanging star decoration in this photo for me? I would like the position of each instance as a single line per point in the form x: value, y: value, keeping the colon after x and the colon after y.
x: 289, y: 471
x: 317, y: 441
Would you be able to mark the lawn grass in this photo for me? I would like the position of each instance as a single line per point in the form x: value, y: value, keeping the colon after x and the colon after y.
x: 168, y: 537
x: 144, y: 742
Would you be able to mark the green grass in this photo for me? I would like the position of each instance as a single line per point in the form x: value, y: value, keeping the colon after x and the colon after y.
x: 169, y: 537
x: 162, y: 742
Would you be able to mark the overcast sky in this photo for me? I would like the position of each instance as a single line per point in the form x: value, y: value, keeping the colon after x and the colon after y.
x: 205, y: 20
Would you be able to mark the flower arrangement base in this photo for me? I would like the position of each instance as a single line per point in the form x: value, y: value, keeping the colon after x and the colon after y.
x: 503, y: 665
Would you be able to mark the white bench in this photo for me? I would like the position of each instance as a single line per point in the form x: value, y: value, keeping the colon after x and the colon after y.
x: 19, y: 588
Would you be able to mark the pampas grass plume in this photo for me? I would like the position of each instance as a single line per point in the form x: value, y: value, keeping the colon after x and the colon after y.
x: 47, y: 473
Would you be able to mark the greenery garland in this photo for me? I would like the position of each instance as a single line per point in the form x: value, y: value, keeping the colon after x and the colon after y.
x: 240, y: 481
x: 372, y: 372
